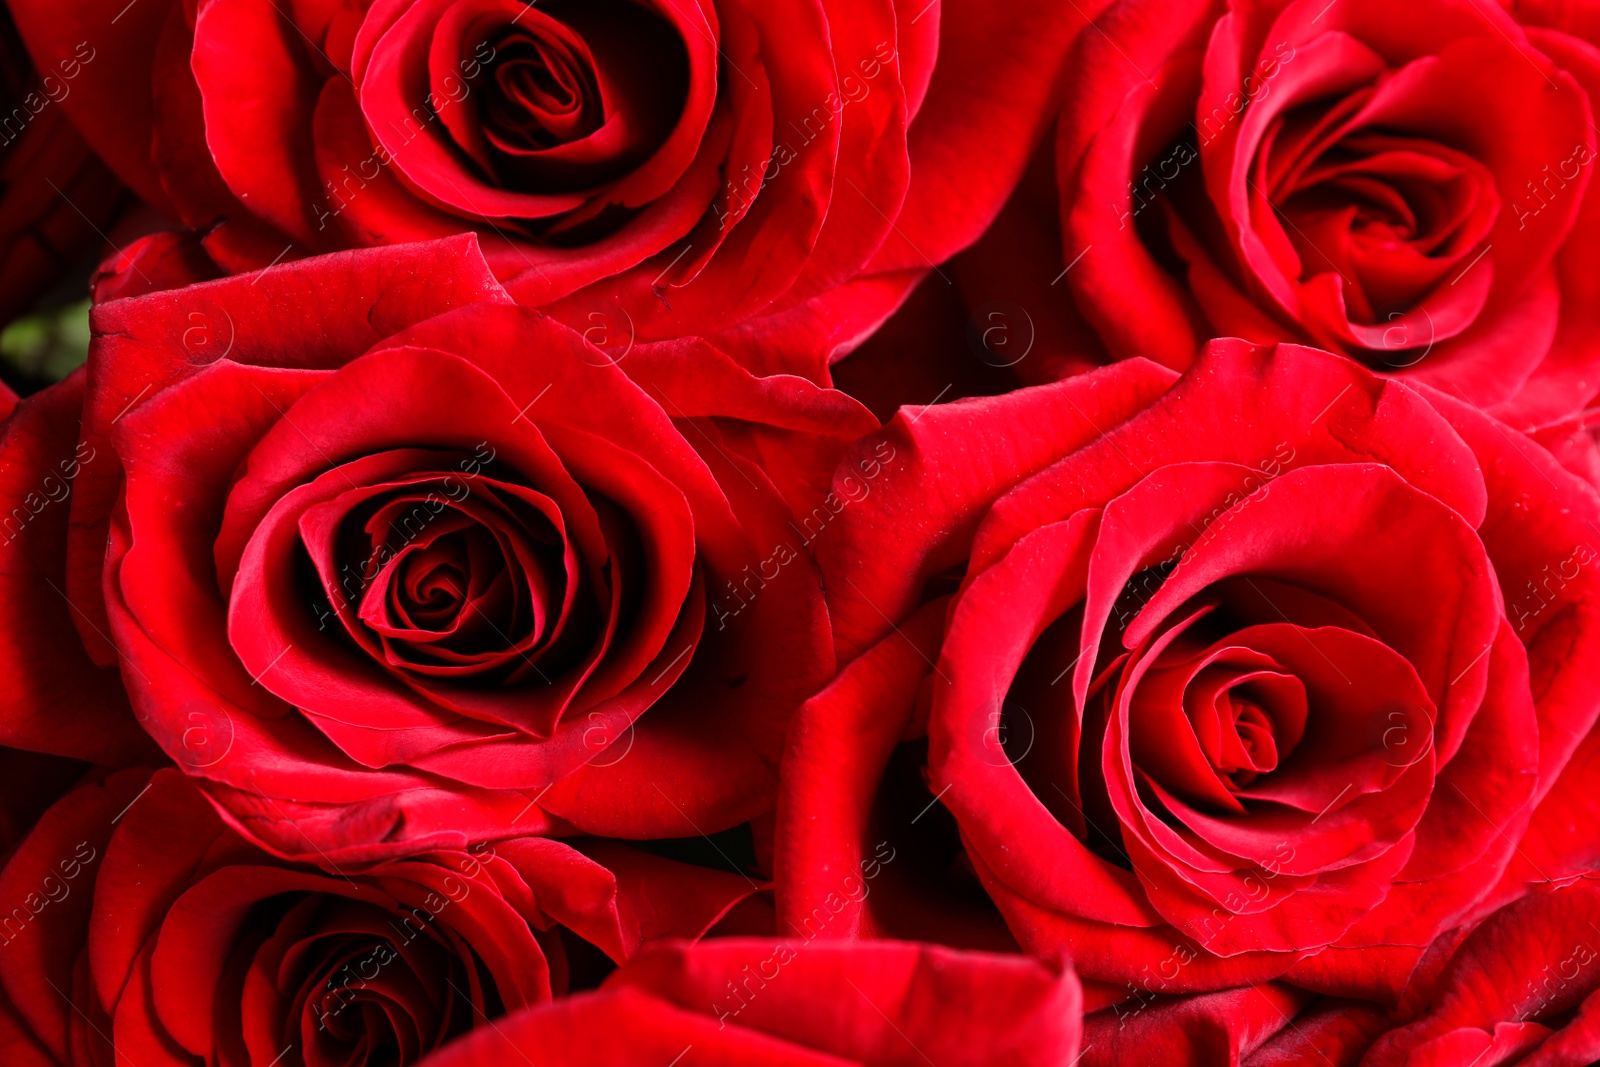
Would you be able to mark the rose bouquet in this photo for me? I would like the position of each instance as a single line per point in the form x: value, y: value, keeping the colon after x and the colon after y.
x: 671, y: 532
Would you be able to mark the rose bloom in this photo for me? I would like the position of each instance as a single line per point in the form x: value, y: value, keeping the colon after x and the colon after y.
x: 780, y: 174
x: 392, y: 576
x: 1257, y: 674
x: 1405, y: 184
x: 769, y: 1003
x: 133, y: 916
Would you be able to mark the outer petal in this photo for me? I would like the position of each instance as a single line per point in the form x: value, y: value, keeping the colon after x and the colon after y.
x: 839, y: 744
x: 47, y: 891
x: 1532, y: 960
x: 109, y: 45
x: 258, y: 110
x: 57, y: 699
x: 1140, y: 69
x: 1541, y: 534
x: 907, y: 1001
x: 878, y: 555
x: 1199, y: 1031
x: 1332, y: 1030
x: 990, y: 99
x: 623, y: 1028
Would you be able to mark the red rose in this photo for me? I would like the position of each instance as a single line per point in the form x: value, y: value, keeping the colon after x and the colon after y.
x: 748, y: 1001
x: 1260, y: 675
x: 783, y: 172
x: 56, y: 196
x: 391, y: 579
x: 133, y: 915
x: 1407, y: 184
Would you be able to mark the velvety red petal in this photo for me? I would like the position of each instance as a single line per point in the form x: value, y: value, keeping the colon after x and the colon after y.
x: 47, y: 890
x: 108, y: 47
x: 1213, y: 1028
x: 1531, y: 960
x: 258, y: 110
x: 58, y: 699
x: 988, y: 103
x: 1129, y: 86
x: 624, y: 1028
x: 839, y: 744
x: 1015, y: 1011
x: 877, y: 555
